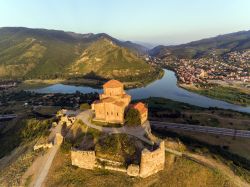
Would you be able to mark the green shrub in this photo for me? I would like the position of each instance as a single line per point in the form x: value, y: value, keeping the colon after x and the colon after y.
x: 132, y: 117
x: 34, y: 128
x: 66, y: 146
x: 84, y: 106
x: 109, y: 144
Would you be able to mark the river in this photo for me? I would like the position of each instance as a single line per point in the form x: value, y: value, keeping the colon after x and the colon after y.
x: 165, y: 87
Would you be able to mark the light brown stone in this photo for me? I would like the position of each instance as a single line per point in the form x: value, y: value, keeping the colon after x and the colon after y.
x: 83, y: 159
x: 152, y: 162
x: 112, y: 104
x: 133, y: 170
x: 43, y: 146
x: 58, y: 139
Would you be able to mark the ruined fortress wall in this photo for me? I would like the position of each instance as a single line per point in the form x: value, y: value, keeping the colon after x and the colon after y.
x: 152, y: 162
x: 83, y: 159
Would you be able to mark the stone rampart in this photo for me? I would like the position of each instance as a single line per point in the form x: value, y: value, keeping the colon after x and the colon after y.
x: 43, y: 146
x: 152, y: 161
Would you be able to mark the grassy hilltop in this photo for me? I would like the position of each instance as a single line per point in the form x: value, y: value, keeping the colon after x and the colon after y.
x: 48, y: 54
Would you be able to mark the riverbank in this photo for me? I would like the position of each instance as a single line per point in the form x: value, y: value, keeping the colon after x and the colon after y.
x: 222, y: 91
x: 166, y: 87
x: 94, y: 83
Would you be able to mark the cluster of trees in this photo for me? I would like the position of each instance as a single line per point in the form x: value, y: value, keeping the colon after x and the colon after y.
x: 119, y: 145
x: 34, y: 128
x: 143, y: 77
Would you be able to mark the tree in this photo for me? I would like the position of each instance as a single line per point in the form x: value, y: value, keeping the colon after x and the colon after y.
x: 132, y: 117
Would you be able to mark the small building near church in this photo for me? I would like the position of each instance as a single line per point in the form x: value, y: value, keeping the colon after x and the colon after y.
x: 143, y: 110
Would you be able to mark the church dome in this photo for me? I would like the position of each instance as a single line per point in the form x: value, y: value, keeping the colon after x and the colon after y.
x: 113, y: 84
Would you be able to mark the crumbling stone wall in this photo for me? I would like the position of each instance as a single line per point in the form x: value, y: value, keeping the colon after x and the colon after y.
x: 67, y: 120
x: 42, y: 146
x: 152, y: 162
x: 83, y: 159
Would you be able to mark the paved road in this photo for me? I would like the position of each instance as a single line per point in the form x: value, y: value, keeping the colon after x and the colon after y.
x: 138, y: 131
x: 204, y: 129
x: 7, y: 116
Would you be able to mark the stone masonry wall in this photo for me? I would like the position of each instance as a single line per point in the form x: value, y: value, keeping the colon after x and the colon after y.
x: 83, y: 159
x: 152, y: 162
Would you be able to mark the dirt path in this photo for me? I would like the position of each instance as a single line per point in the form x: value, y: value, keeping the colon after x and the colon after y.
x: 40, y: 167
x: 45, y: 169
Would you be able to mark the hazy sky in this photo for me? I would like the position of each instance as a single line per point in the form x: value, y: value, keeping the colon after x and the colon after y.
x: 153, y: 21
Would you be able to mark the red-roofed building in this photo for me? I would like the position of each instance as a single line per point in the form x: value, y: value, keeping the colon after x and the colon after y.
x: 143, y: 110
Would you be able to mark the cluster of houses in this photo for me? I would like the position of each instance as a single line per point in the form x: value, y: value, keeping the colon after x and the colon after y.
x: 234, y: 66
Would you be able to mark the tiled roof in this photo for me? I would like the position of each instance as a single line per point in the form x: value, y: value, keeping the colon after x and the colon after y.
x: 112, y: 84
x: 120, y: 103
x: 140, y: 107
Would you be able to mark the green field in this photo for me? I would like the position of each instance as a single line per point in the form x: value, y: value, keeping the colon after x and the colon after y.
x: 225, y: 93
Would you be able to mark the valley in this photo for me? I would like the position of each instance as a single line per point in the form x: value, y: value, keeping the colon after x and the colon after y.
x: 50, y: 78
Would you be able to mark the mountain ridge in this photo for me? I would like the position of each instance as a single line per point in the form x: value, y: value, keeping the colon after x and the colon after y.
x: 219, y: 44
x: 42, y: 53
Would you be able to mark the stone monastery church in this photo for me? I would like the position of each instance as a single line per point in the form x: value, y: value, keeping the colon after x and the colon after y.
x: 113, y: 104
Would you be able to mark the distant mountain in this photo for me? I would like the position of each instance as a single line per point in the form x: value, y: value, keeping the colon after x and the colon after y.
x: 148, y: 46
x: 41, y: 53
x: 107, y: 59
x: 218, y: 45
